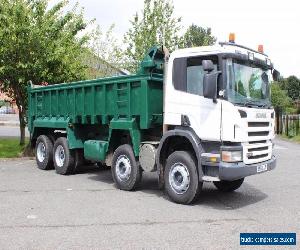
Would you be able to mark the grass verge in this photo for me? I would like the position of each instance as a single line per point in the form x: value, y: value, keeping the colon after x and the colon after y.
x: 10, y: 148
x: 291, y: 138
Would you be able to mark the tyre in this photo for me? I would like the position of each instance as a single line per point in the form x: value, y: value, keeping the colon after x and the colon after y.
x: 126, y: 171
x: 43, y: 152
x: 63, y: 158
x: 181, y: 178
x: 78, y: 158
x: 228, y: 186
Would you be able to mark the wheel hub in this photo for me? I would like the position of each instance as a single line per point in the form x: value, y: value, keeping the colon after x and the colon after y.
x: 179, y: 178
x: 41, y: 152
x: 123, y: 168
x: 60, y: 156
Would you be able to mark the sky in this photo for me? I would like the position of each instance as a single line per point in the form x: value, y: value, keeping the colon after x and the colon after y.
x: 275, y: 24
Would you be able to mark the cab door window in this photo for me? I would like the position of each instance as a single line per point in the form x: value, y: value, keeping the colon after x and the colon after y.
x: 195, y: 74
x: 188, y: 73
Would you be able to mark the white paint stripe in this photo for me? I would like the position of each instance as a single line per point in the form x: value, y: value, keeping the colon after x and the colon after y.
x: 31, y: 216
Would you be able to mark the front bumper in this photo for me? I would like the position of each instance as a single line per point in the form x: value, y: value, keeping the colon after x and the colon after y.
x: 234, y: 171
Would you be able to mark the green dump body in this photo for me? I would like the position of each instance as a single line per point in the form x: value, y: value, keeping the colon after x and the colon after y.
x: 113, y: 102
x: 98, y: 101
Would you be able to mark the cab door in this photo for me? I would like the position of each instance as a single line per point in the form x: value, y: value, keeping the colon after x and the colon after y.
x: 184, y: 101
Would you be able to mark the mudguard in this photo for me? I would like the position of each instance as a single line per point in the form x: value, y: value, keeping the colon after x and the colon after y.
x: 189, y: 134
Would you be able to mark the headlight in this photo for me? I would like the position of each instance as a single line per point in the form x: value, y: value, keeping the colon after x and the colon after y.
x: 232, y: 156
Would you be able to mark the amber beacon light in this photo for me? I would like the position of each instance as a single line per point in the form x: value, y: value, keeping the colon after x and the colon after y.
x: 260, y: 48
x: 231, y: 37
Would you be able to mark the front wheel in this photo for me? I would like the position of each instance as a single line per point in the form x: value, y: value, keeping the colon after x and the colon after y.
x: 126, y: 171
x: 181, y: 178
x: 228, y: 186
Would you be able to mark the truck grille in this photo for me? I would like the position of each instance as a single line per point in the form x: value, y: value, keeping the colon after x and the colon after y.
x: 258, y: 148
x: 259, y: 130
x: 254, y: 142
x: 258, y: 133
x: 257, y: 156
x: 257, y: 152
x: 258, y: 124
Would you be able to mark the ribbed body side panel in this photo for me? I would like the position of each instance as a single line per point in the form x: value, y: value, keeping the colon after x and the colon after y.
x: 98, y: 101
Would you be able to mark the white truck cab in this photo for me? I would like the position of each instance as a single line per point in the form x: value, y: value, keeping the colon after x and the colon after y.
x: 219, y: 98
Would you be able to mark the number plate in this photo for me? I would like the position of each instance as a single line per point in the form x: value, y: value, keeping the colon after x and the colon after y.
x: 262, y: 168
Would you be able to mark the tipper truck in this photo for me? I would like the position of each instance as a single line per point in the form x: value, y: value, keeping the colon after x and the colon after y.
x: 196, y: 115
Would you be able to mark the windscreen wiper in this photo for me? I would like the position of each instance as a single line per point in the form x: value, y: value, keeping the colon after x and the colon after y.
x: 265, y: 105
x: 244, y: 104
x: 250, y: 104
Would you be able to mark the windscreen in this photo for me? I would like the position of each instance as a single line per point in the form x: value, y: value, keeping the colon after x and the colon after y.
x: 247, y: 83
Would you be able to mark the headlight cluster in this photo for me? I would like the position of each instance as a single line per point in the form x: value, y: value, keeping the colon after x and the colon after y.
x: 232, y: 156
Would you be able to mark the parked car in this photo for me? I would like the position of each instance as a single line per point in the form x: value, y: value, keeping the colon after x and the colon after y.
x: 7, y: 110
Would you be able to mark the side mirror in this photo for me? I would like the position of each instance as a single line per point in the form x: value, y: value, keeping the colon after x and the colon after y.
x: 276, y: 75
x: 208, y: 65
x: 265, y: 77
x: 210, y: 81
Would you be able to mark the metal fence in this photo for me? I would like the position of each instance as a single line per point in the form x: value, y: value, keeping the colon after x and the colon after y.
x: 289, y: 125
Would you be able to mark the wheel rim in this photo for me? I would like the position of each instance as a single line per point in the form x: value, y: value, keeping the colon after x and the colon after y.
x: 179, y: 178
x: 60, y: 156
x: 41, y: 152
x: 123, y: 168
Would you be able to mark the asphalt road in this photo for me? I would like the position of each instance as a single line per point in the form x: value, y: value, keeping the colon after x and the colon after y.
x: 43, y: 210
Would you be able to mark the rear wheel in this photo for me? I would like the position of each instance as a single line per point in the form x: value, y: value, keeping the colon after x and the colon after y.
x: 228, y: 186
x: 63, y: 158
x: 181, y: 178
x: 43, y: 152
x: 125, y: 169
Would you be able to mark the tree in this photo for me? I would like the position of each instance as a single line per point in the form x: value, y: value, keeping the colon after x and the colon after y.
x: 38, y: 44
x: 280, y: 101
x: 104, y: 53
x: 2, y: 103
x: 156, y: 25
x: 292, y: 85
x: 196, y: 36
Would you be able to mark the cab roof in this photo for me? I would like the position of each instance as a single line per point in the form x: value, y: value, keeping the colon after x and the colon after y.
x: 222, y: 47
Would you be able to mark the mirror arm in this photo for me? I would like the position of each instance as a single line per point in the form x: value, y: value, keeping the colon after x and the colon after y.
x: 215, y: 100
